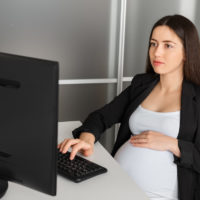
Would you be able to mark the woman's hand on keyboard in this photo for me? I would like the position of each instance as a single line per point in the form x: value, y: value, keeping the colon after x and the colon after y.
x: 85, y: 145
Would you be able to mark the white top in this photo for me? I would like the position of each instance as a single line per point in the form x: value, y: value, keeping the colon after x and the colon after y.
x: 154, y: 171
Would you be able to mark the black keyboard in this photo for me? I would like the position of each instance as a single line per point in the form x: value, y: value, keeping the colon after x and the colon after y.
x: 78, y: 169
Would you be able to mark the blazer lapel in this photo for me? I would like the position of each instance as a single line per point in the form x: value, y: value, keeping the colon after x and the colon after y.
x: 140, y: 93
x: 188, y: 115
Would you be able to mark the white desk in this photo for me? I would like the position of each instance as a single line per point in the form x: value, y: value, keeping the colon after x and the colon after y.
x: 113, y: 185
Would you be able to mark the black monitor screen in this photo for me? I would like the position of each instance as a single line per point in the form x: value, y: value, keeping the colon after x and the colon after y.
x: 28, y: 121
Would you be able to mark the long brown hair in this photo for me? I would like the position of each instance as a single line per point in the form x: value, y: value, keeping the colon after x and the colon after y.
x: 187, y: 32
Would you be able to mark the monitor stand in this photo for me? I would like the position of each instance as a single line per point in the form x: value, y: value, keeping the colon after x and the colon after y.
x: 3, y: 187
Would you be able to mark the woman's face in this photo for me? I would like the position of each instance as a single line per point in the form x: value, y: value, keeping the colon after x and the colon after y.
x: 166, y: 51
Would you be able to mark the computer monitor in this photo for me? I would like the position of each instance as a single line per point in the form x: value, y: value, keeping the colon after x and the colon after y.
x: 28, y: 121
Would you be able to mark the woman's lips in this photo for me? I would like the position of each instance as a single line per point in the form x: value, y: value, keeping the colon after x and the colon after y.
x: 157, y: 63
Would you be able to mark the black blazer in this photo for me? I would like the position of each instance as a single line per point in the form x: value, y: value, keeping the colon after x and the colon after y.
x: 120, y: 109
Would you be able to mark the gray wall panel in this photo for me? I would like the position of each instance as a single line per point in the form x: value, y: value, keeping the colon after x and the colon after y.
x: 75, y: 33
x: 79, y: 100
x: 197, y: 16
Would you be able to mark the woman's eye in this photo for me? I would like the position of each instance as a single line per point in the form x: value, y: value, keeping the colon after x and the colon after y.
x: 153, y: 44
x: 168, y: 46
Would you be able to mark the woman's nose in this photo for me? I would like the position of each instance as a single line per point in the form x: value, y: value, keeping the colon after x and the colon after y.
x: 158, y: 51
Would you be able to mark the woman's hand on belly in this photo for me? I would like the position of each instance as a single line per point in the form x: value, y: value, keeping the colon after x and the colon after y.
x: 156, y: 141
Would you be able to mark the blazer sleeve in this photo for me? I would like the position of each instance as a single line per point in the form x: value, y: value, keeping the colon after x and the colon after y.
x: 98, y: 121
x: 190, y: 151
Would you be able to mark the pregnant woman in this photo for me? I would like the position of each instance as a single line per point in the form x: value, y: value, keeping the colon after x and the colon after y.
x: 158, y: 142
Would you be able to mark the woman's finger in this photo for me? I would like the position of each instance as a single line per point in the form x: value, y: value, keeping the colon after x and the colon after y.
x: 77, y: 147
x: 62, y: 144
x: 67, y: 144
x: 139, y: 141
x: 135, y: 137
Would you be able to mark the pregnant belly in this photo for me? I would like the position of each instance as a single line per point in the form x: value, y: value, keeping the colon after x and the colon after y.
x: 151, y: 170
